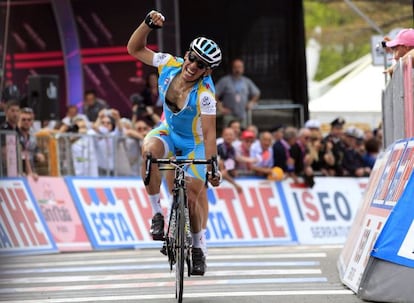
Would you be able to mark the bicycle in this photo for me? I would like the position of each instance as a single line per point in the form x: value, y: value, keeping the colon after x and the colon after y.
x: 177, y: 240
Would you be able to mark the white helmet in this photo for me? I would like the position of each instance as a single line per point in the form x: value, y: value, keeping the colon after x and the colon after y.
x: 207, y: 50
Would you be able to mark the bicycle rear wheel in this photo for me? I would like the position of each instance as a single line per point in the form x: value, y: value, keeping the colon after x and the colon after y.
x: 180, y: 246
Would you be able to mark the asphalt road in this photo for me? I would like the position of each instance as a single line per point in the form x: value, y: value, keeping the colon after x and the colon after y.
x: 240, y: 274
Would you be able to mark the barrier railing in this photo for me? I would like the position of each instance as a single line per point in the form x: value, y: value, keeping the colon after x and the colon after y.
x: 397, y: 104
x: 10, y: 164
x: 72, y: 154
x: 267, y: 112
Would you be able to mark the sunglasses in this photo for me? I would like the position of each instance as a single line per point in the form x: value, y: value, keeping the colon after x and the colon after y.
x: 200, y: 63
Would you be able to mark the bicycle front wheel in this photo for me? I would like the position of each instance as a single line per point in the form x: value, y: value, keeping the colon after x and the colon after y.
x: 180, y: 246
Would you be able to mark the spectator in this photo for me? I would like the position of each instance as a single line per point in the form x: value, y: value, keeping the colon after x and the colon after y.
x: 10, y: 91
x: 235, y: 125
x: 142, y: 111
x: 372, y: 149
x: 378, y: 134
x: 227, y: 157
x: 277, y: 132
x: 237, y: 94
x: 29, y: 149
x: 313, y: 125
x: 300, y: 154
x: 253, y: 128
x: 336, y: 145
x: 134, y: 136
x: 281, y: 151
x: 92, y: 105
x: 321, y: 158
x: 353, y: 163
x: 243, y: 159
x: 84, y: 156
x: 150, y: 94
x: 68, y: 121
x: 107, y: 129
x: 263, y: 152
x: 12, y: 113
x: 402, y: 46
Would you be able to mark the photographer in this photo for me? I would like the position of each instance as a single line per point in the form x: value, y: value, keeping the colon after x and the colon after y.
x: 107, y: 129
x: 68, y: 122
x: 141, y: 110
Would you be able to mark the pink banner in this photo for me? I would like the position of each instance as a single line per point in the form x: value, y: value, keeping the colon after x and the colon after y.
x: 408, y: 99
x: 60, y: 213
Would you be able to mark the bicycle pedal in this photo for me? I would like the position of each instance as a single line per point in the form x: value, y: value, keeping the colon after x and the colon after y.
x: 163, y: 250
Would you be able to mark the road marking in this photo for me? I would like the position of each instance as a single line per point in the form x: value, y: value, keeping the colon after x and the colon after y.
x: 151, y: 266
x: 134, y: 285
x: 139, y: 259
x: 194, y: 295
x: 120, y: 277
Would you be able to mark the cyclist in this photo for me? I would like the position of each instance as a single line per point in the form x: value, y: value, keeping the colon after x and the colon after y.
x: 189, y: 128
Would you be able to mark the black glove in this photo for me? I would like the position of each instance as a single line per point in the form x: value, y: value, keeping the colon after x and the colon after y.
x: 148, y: 21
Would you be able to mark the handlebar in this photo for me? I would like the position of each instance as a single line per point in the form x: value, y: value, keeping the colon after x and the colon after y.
x: 150, y: 160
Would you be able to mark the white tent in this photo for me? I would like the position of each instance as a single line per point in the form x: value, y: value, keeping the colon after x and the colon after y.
x: 357, y: 97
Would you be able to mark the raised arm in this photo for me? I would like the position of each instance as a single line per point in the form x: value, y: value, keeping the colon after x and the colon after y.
x: 137, y: 44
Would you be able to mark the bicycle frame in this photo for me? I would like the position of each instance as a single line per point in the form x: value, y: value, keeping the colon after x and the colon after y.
x: 177, y: 242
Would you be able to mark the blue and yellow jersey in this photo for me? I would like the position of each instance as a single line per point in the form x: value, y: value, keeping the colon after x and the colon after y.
x: 200, y: 100
x: 181, y: 131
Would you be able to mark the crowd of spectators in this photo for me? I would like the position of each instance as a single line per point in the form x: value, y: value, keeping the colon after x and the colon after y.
x: 102, y: 143
x: 300, y: 152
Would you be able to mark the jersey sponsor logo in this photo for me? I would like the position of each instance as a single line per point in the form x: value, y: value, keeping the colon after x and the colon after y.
x: 205, y: 101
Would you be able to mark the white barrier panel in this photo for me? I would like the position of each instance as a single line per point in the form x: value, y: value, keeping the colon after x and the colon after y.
x: 387, y: 183
x: 323, y: 214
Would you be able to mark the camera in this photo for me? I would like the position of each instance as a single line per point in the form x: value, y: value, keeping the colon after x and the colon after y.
x: 73, y: 129
x: 136, y: 99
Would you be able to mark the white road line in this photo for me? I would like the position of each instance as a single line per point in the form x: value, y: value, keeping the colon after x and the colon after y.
x: 195, y: 295
x: 162, y: 259
x: 140, y: 285
x: 160, y: 265
x: 147, y: 276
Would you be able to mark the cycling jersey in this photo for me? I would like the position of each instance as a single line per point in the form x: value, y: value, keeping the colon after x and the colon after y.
x: 181, y: 131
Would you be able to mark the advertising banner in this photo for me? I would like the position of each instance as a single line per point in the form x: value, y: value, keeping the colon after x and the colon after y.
x: 257, y: 215
x: 323, y: 214
x: 60, y: 213
x: 358, y: 224
x: 116, y: 212
x: 396, y: 242
x: 390, y: 171
x: 23, y: 229
x: 373, y: 216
